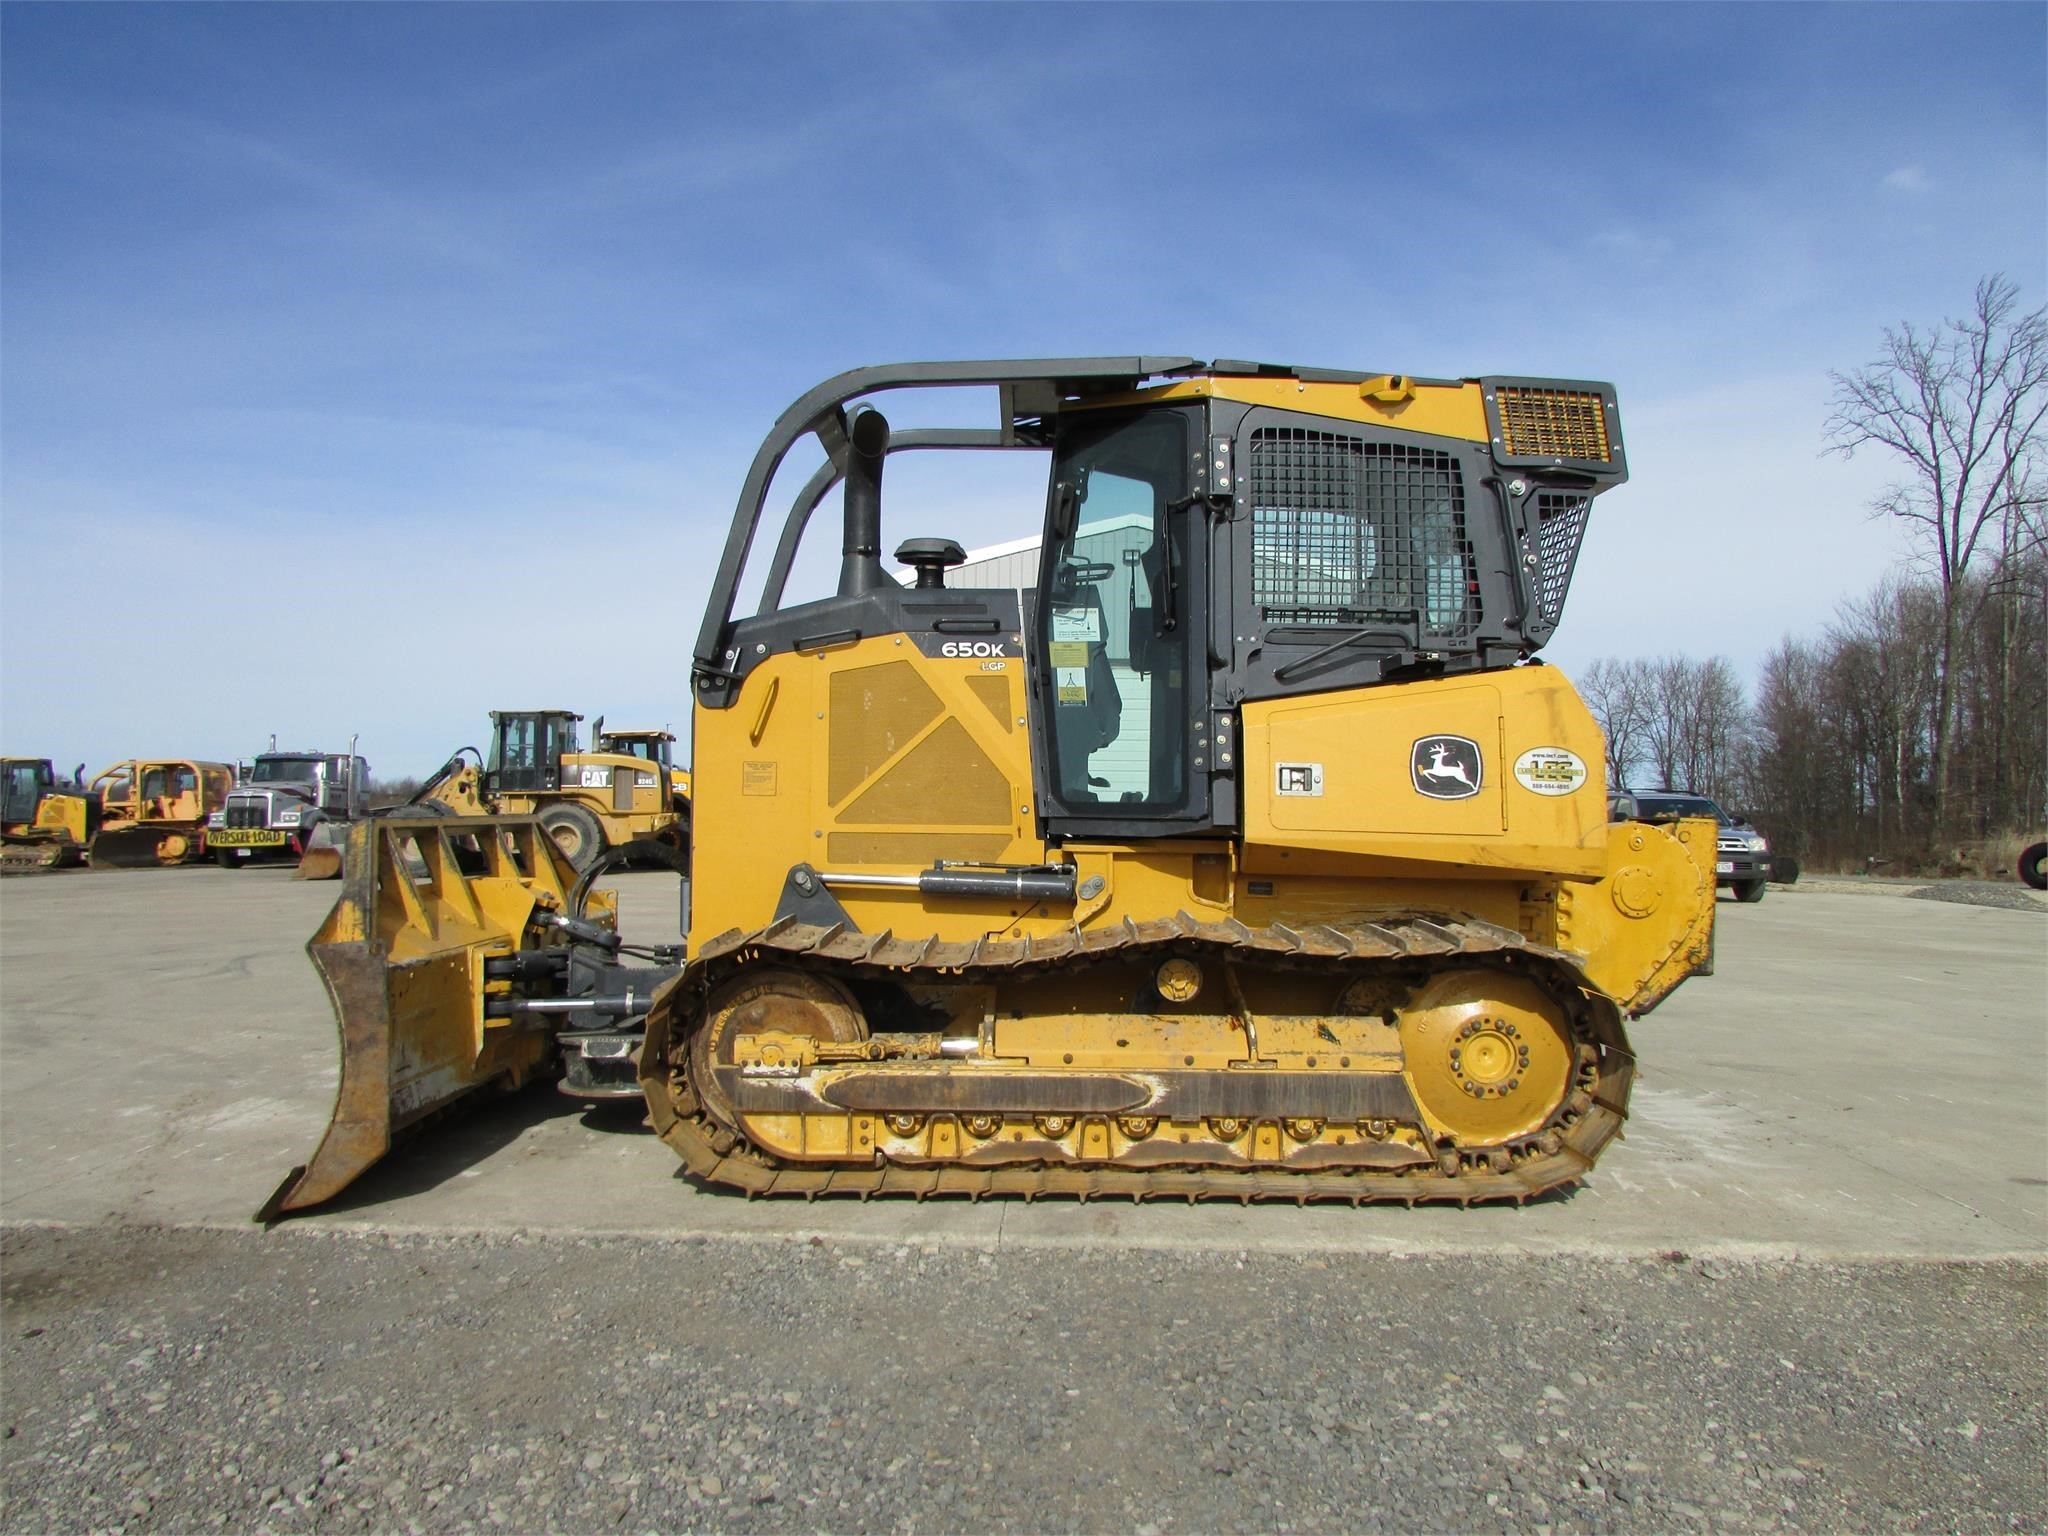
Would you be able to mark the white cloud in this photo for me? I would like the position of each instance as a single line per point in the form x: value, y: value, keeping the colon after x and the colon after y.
x: 1908, y: 178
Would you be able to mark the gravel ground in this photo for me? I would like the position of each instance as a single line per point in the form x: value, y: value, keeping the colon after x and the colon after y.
x: 1983, y: 893
x: 328, y: 1381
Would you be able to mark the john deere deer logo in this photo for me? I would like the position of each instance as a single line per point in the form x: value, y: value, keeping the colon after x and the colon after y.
x: 1447, y: 767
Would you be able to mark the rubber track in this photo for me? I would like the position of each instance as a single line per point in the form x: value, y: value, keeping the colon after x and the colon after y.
x: 134, y: 847
x: 29, y: 858
x: 712, y: 1153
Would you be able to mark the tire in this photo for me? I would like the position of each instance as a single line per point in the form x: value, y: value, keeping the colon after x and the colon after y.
x: 1784, y: 869
x: 2031, y: 869
x: 423, y: 808
x: 1749, y: 890
x: 652, y: 851
x: 225, y: 859
x: 576, y: 832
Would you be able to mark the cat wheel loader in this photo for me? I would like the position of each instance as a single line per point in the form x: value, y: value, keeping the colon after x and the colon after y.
x: 43, y: 824
x: 1249, y: 854
x: 625, y: 797
x: 154, y: 811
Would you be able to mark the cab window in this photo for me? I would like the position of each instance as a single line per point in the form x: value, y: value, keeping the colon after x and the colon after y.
x: 1110, y: 621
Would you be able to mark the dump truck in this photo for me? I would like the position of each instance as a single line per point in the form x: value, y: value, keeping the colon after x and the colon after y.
x: 154, y: 811
x: 289, y: 806
x: 1251, y: 853
x: 625, y: 797
x: 43, y: 824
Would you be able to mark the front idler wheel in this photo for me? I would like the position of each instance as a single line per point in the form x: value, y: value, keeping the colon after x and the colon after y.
x: 777, y: 1000
x: 1489, y: 1056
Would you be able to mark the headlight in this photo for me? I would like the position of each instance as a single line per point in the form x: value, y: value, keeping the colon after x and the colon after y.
x: 217, y: 819
x: 1759, y: 844
x: 287, y: 818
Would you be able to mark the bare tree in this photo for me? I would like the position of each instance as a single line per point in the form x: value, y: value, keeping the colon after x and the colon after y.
x: 1963, y: 406
x: 1835, y: 757
x: 1618, y: 693
x: 1887, y: 648
x: 1799, y: 771
x: 1696, y: 723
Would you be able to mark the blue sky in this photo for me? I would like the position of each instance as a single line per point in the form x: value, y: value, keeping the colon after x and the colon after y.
x: 365, y: 368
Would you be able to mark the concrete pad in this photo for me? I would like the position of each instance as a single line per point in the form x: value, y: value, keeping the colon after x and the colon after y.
x: 1865, y: 1077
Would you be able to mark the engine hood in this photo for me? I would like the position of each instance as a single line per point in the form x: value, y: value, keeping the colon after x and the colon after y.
x: 292, y: 790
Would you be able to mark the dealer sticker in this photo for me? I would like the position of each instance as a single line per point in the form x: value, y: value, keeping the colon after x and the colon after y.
x: 1550, y: 771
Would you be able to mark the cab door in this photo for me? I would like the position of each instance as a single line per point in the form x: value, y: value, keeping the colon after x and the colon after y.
x: 182, y: 800
x: 1119, y: 648
x: 22, y: 791
x: 529, y: 755
x: 153, y: 794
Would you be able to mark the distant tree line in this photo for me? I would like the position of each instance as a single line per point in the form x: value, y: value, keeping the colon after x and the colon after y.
x: 1835, y: 753
x: 385, y: 793
x: 1914, y: 729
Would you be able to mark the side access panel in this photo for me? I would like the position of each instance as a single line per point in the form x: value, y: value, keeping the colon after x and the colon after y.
x: 1502, y: 770
x: 881, y: 756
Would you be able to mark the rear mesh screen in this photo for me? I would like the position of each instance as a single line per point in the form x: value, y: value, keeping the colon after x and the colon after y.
x: 1560, y: 523
x: 1553, y: 424
x: 1345, y: 532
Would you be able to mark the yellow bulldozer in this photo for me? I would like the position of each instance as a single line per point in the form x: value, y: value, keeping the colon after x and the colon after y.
x: 1249, y: 852
x: 43, y: 824
x: 154, y: 811
x: 624, y: 797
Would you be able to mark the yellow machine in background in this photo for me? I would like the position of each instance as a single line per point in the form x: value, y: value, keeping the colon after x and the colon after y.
x: 1248, y: 854
x: 43, y: 824
x: 153, y: 811
x: 625, y: 794
x: 657, y: 750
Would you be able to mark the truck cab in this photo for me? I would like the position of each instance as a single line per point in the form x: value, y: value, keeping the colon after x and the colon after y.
x: 280, y: 798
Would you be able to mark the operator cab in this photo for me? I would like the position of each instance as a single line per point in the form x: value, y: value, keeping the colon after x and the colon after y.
x: 1213, y: 535
x: 26, y: 782
x: 527, y: 748
x: 655, y: 747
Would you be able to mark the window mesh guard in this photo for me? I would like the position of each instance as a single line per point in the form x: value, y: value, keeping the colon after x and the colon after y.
x: 1348, y: 532
x: 1560, y: 523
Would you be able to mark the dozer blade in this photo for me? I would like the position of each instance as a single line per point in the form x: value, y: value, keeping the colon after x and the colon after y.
x: 150, y: 845
x: 322, y: 858
x: 319, y: 864
x: 402, y: 954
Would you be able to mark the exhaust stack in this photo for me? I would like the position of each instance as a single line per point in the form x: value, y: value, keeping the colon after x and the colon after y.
x: 867, y: 444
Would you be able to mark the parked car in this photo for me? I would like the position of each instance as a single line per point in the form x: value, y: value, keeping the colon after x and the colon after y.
x: 1742, y: 855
